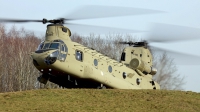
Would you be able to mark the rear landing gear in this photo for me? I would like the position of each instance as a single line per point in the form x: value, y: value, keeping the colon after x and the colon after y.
x: 43, y: 79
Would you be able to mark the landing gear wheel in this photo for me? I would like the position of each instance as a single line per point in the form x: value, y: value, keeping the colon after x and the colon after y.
x: 101, y: 87
x: 43, y: 79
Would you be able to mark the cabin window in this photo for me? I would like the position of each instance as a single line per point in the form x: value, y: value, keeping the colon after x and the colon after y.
x: 138, y: 81
x: 79, y: 55
x: 109, y: 68
x: 140, y: 55
x: 95, y: 62
x: 124, y: 75
x: 123, y: 56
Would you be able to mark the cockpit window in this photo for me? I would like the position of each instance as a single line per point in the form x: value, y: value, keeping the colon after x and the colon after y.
x: 54, y: 46
x: 40, y: 46
x: 64, y: 48
x: 46, y: 45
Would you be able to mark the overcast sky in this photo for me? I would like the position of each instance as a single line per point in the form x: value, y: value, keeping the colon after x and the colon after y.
x: 179, y: 12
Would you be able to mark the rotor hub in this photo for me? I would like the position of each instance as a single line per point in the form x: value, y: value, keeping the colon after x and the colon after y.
x: 54, y: 21
x: 136, y: 44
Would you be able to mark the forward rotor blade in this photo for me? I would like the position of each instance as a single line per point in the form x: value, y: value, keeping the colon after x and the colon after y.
x: 167, y: 32
x: 97, y: 11
x: 85, y: 29
x: 18, y: 20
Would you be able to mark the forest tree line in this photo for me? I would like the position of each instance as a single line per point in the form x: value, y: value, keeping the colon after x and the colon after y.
x: 17, y: 72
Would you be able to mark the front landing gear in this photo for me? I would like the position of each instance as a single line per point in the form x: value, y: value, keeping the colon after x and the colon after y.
x: 101, y: 87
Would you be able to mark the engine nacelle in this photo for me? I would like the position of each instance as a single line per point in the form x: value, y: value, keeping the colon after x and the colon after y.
x: 142, y: 66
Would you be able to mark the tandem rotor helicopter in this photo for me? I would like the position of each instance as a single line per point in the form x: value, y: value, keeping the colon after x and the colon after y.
x: 72, y: 65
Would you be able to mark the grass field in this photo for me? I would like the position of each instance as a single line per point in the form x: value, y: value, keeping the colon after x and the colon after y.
x: 84, y: 100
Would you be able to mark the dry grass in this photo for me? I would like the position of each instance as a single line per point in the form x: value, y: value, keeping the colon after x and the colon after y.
x: 84, y: 100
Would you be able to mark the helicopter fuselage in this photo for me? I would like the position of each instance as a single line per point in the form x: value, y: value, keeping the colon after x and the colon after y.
x: 66, y: 63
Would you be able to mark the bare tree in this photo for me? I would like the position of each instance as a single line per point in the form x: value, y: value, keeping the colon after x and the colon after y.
x: 17, y: 72
x: 167, y: 75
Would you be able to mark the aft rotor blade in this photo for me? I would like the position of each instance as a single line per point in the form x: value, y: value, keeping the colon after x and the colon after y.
x: 180, y: 58
x: 167, y: 32
x: 97, y: 11
x: 19, y: 20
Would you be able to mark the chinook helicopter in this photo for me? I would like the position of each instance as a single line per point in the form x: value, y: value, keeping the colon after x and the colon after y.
x: 72, y: 65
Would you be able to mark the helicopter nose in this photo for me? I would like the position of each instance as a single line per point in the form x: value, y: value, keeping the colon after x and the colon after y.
x: 38, y: 59
x: 35, y: 62
x: 51, y: 58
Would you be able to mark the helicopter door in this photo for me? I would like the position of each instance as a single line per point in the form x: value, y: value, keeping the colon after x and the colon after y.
x: 63, y: 52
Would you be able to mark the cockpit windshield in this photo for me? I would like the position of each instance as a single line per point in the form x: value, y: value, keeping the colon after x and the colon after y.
x: 53, y: 45
x: 46, y: 46
x: 56, y: 44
